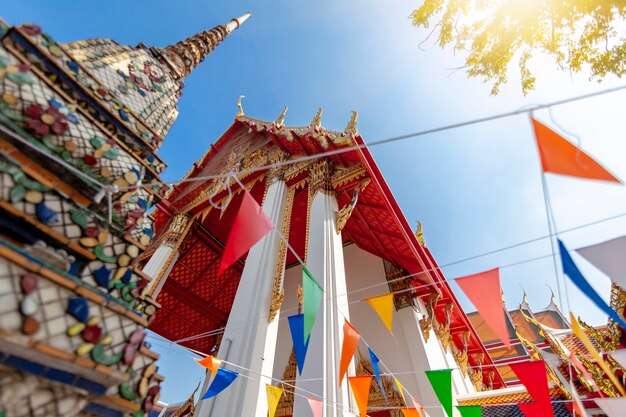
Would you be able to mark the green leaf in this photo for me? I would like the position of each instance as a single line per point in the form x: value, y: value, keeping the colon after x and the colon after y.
x: 17, y: 193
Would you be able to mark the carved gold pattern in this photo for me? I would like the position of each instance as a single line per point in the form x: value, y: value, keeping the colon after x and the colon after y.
x: 443, y: 330
x: 320, y: 174
x: 285, y: 405
x: 426, y: 323
x: 376, y: 398
x: 278, y: 292
x: 316, y: 123
x: 240, y: 106
x: 460, y: 355
x: 188, y: 408
x: 280, y: 121
x: 598, y: 376
x: 347, y: 175
x: 400, y: 288
x: 476, y: 374
x: 344, y: 213
x: 351, y: 129
x: 419, y: 235
x: 187, y: 54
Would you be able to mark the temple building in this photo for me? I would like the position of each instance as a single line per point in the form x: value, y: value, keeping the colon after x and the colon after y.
x: 80, y: 127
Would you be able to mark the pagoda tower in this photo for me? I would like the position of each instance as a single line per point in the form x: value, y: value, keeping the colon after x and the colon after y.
x: 80, y: 127
x: 333, y: 212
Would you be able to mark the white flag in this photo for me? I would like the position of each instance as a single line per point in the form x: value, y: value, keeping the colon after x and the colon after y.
x: 612, y: 407
x: 609, y: 257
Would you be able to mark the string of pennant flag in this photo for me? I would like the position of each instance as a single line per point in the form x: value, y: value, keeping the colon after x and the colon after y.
x: 557, y: 156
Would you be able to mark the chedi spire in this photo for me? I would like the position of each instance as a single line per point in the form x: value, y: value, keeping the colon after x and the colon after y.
x: 185, y: 55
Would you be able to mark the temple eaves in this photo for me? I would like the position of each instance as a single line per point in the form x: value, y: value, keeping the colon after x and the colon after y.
x: 185, y: 55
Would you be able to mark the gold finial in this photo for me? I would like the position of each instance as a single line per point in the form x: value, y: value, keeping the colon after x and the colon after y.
x: 419, y: 235
x: 240, y: 113
x: 316, y: 123
x: 281, y: 119
x: 351, y: 128
x: 300, y: 293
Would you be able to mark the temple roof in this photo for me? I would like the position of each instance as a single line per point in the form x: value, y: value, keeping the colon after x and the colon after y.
x: 195, y: 300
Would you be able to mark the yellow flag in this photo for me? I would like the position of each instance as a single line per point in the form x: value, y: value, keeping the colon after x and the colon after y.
x: 400, y: 388
x: 211, y: 363
x: 578, y: 331
x: 273, y: 396
x: 383, y: 304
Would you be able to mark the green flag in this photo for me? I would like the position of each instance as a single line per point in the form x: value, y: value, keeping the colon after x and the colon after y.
x: 441, y: 380
x: 312, y: 299
x: 470, y: 410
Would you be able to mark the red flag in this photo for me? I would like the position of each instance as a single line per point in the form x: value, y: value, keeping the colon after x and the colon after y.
x: 534, y: 377
x: 360, y: 386
x: 483, y: 290
x: 250, y: 225
x: 560, y: 156
x: 350, y: 341
x: 317, y: 407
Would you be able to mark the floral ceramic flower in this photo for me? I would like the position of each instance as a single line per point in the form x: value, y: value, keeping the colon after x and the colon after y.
x: 19, y: 73
x: 43, y: 122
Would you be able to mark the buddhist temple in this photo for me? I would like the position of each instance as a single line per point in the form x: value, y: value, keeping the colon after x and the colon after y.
x: 95, y: 248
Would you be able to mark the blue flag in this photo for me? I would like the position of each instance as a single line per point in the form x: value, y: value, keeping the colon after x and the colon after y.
x: 296, y: 325
x: 374, y: 359
x: 571, y: 270
x: 223, y: 378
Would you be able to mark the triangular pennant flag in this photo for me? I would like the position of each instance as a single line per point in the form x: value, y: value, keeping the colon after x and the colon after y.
x: 441, y: 381
x: 619, y: 356
x: 211, y: 363
x: 222, y: 380
x: 312, y: 299
x: 470, y: 410
x: 483, y: 290
x: 296, y: 325
x: 410, y: 412
x: 383, y: 304
x: 273, y: 397
x: 578, y: 365
x: 418, y: 407
x: 578, y: 331
x: 317, y: 407
x: 374, y: 359
x: 360, y: 386
x: 554, y: 361
x: 350, y: 341
x: 560, y: 156
x: 609, y: 258
x: 612, y: 407
x: 571, y: 270
x: 250, y: 225
x: 534, y: 377
x: 400, y: 388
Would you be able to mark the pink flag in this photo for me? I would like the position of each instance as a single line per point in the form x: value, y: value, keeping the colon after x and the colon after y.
x: 483, y: 290
x: 250, y: 225
x: 316, y: 406
x: 535, y: 378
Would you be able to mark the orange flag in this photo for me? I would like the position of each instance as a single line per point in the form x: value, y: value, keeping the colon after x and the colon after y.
x: 560, y: 156
x: 383, y: 304
x: 317, y: 407
x: 483, y: 290
x: 360, y: 386
x: 350, y: 340
x: 211, y: 363
x: 410, y: 412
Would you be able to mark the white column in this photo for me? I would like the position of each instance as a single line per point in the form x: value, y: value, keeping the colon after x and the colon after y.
x: 165, y: 256
x: 253, y: 339
x: 325, y: 262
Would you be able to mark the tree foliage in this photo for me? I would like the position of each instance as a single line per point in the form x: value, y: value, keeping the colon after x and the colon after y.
x: 581, y: 35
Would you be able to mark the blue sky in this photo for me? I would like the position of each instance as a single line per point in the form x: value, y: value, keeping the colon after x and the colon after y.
x: 476, y: 189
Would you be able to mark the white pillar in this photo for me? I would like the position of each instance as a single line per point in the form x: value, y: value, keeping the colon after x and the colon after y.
x: 165, y: 256
x: 253, y: 339
x: 325, y: 262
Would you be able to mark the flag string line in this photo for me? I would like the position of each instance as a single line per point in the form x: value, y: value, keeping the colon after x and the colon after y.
x: 336, y: 151
x: 470, y: 122
x: 216, y: 332
x: 280, y: 382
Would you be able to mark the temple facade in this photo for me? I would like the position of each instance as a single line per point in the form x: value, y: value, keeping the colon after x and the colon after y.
x: 80, y: 127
